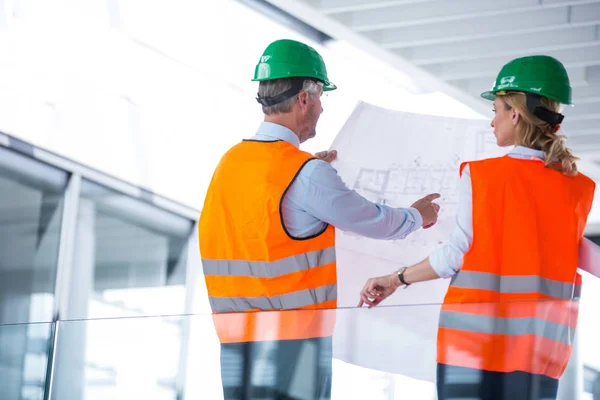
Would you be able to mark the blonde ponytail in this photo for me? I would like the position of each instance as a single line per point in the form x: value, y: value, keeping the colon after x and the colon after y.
x: 534, y: 133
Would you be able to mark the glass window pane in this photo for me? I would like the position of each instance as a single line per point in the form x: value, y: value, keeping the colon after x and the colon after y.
x: 129, y: 261
x: 23, y: 360
x: 125, y: 358
x: 31, y: 207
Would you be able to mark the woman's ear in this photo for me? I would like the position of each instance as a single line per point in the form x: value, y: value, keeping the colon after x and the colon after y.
x: 515, y: 117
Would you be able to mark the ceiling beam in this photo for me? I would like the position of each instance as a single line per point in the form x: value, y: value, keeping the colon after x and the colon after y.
x: 558, y: 39
x: 589, y: 166
x: 457, y: 10
x: 342, y: 6
x: 489, y: 67
x: 475, y: 28
x: 589, y: 154
x: 583, y: 111
x: 585, y: 100
x: 576, y: 128
x: 583, y: 143
x: 586, y: 94
x: 285, y: 19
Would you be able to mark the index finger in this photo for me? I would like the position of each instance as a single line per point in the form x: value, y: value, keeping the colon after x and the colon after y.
x: 432, y: 196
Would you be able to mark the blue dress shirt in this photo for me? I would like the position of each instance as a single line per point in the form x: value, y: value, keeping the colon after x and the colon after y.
x: 318, y: 197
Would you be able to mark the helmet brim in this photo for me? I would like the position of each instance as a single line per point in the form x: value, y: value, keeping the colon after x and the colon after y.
x: 489, y: 95
x: 328, y: 86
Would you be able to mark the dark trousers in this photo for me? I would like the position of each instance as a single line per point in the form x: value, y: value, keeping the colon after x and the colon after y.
x: 277, y: 370
x: 473, y: 384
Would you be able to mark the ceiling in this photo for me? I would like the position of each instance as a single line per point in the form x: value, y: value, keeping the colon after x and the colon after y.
x: 458, y: 46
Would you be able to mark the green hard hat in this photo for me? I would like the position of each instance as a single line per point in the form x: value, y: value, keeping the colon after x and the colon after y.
x: 542, y: 75
x: 287, y: 59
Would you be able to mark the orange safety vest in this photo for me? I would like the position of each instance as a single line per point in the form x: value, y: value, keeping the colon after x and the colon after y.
x: 513, y: 304
x: 262, y: 283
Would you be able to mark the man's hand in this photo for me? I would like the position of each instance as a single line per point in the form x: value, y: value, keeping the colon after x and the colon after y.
x: 378, y: 289
x: 428, y: 209
x: 327, y: 156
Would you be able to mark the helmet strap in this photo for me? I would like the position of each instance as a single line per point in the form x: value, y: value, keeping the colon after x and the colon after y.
x: 297, y: 84
x: 534, y: 104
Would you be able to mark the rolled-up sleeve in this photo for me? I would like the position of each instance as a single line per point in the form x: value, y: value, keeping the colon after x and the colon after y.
x: 448, y: 260
x: 327, y: 198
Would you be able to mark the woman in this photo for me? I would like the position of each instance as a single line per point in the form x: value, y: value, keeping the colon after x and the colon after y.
x: 508, y: 318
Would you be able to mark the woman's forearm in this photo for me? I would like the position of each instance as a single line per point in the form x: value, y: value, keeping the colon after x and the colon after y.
x: 420, y: 272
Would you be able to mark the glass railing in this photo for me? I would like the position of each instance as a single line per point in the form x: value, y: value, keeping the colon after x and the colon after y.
x: 24, y: 359
x: 387, y: 352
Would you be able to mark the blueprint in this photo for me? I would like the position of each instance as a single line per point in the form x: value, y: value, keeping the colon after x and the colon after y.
x: 395, y: 158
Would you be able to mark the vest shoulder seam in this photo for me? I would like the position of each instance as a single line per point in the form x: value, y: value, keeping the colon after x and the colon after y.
x: 281, y: 207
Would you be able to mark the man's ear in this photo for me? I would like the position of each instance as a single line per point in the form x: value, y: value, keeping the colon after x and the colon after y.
x: 303, y: 99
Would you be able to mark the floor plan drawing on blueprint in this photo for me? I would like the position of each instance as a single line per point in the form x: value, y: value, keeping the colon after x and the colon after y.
x: 389, y: 184
x: 394, y: 158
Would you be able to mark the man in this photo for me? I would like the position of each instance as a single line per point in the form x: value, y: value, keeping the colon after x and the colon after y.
x: 267, y: 237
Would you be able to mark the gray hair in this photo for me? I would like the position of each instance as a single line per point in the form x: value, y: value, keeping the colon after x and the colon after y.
x: 278, y: 86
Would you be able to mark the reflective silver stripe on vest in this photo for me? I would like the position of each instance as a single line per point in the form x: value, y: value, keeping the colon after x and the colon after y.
x: 269, y: 269
x: 507, y: 326
x: 286, y: 301
x: 516, y: 284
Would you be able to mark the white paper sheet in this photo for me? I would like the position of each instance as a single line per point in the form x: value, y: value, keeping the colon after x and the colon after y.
x: 395, y: 158
x: 589, y: 257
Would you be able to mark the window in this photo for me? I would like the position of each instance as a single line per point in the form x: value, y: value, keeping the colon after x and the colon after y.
x: 129, y: 261
x: 31, y: 207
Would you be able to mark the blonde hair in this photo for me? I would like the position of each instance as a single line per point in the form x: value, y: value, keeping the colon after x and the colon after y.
x: 534, y: 133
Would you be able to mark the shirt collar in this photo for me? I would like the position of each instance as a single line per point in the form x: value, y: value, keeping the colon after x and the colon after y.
x: 273, y: 131
x: 526, y: 152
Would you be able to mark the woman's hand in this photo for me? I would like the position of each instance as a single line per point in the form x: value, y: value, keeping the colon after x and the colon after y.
x: 378, y: 289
